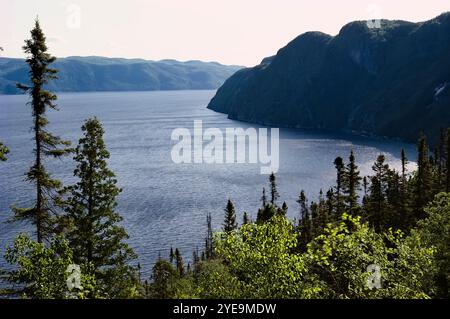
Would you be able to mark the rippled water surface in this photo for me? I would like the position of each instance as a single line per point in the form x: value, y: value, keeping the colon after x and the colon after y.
x: 165, y: 204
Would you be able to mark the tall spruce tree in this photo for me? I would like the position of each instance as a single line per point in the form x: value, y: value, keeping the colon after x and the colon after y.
x: 164, y: 276
x: 403, y: 200
x: 351, y: 185
x: 94, y: 232
x: 229, y: 223
x: 377, y: 204
x: 273, y: 189
x: 209, y: 244
x: 314, y: 209
x: 397, y: 216
x: 323, y: 217
x: 46, y: 144
x: 339, y: 165
x: 365, y: 185
x: 423, y: 183
x: 305, y: 224
x: 179, y: 263
x: 330, y: 205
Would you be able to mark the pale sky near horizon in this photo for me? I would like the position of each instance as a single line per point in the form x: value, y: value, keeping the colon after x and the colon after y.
x: 240, y: 32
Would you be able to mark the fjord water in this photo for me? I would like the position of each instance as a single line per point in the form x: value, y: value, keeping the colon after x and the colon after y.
x: 165, y: 204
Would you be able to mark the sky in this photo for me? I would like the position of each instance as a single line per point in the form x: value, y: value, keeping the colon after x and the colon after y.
x: 239, y: 32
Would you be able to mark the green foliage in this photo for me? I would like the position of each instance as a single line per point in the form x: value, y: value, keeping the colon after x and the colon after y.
x: 169, y: 282
x: 215, y: 281
x: 229, y: 223
x: 41, y: 271
x: 341, y: 255
x: 340, y: 166
x: 179, y: 264
x: 305, y: 225
x: 351, y: 185
x: 396, y: 228
x: 265, y: 213
x: 164, y: 280
x: 91, y: 221
x: 209, y: 240
x: 259, y: 255
x: 423, y: 179
x: 260, y: 261
x: 3, y: 151
x: 273, y: 189
x: 434, y: 231
x: 46, y: 144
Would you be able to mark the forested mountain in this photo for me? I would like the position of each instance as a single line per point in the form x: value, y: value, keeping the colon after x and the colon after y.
x: 84, y: 74
x: 390, y: 81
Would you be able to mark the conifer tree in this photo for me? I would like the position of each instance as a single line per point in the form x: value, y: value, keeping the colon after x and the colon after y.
x: 245, y: 219
x: 314, y: 209
x: 339, y: 165
x: 350, y: 185
x: 163, y: 276
x: 404, y: 196
x: 209, y: 248
x: 195, y: 261
x: 377, y: 206
x: 365, y: 185
x: 188, y: 269
x: 94, y: 233
x: 171, y: 255
x: 423, y: 188
x: 273, y: 189
x: 265, y: 213
x: 283, y: 209
x: 330, y: 205
x: 305, y: 226
x: 46, y: 144
x: 264, y: 197
x: 302, y: 201
x: 397, y: 215
x: 179, y: 264
x: 323, y: 217
x: 230, y: 218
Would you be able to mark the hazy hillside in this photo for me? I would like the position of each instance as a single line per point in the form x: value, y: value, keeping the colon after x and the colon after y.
x: 393, y: 81
x: 79, y: 74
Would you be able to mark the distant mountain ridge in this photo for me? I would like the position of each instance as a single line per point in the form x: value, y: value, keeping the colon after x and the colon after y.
x: 94, y: 73
x: 391, y: 81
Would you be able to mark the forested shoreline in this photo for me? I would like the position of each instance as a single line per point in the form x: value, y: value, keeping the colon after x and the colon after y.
x: 381, y: 236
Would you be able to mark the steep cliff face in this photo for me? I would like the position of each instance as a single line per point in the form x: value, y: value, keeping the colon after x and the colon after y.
x: 391, y: 81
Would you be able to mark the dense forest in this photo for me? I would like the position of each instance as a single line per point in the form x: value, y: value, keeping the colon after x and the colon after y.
x: 381, y: 236
x: 93, y: 74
